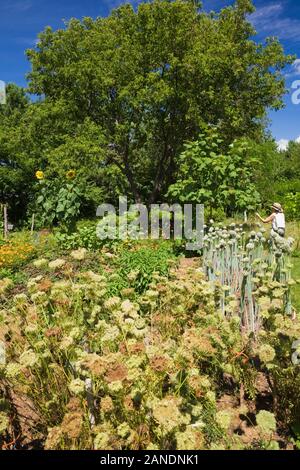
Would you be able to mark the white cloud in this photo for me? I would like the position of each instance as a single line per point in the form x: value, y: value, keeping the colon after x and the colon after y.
x: 272, y: 21
x: 296, y: 65
x: 25, y: 41
x: 282, y: 144
x: 116, y: 3
x: 295, y: 69
x: 270, y: 10
x: 16, y: 6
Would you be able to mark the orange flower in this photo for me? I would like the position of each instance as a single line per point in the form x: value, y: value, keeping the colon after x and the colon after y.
x: 14, y: 252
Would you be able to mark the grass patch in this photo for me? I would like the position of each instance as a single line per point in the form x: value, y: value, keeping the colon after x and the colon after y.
x: 296, y: 288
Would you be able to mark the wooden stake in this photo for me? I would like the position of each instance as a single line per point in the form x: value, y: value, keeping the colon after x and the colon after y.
x: 32, y: 224
x: 5, y: 221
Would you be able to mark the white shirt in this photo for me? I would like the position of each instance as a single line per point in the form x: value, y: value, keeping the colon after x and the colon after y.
x: 278, y: 221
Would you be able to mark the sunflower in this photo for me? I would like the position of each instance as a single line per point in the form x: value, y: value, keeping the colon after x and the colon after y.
x: 39, y: 175
x: 71, y: 174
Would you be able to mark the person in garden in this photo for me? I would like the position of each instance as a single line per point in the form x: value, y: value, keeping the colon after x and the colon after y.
x: 277, y: 219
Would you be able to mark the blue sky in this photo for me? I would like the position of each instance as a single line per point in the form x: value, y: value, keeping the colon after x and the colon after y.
x: 22, y: 20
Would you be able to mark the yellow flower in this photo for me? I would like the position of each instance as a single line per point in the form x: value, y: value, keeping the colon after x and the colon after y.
x: 71, y: 174
x: 39, y: 175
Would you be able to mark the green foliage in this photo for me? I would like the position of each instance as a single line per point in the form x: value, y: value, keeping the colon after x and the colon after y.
x: 15, y: 178
x: 296, y: 275
x: 143, y: 261
x: 292, y: 161
x: 286, y: 389
x: 16, y: 276
x: 85, y: 236
x: 16, y: 101
x: 292, y: 205
x: 283, y: 187
x: 120, y: 96
x: 139, y: 261
x: 135, y: 261
x: 278, y: 175
x: 213, y: 431
x: 58, y: 202
x: 220, y: 180
x: 266, y: 421
x: 296, y: 431
x: 123, y: 93
x: 268, y: 174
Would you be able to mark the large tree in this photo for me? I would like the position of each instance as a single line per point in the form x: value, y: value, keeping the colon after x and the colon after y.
x: 148, y: 80
x: 14, y: 169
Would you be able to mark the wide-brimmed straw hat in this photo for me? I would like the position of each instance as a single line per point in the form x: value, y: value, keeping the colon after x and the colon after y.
x: 277, y: 207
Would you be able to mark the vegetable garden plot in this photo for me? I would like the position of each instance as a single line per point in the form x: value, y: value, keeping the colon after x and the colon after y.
x: 248, y: 272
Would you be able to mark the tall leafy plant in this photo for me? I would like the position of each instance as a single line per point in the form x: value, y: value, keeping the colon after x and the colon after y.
x: 59, y: 201
x: 217, y: 178
x: 292, y: 205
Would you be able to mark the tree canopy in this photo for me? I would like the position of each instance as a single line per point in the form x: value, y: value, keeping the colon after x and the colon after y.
x: 120, y: 95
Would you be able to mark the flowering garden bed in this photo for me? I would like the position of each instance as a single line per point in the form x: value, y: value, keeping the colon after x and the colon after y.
x: 156, y: 362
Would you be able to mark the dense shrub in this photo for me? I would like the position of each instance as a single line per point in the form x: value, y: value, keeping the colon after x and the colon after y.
x: 138, y: 262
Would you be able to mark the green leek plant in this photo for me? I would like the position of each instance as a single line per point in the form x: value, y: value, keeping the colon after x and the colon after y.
x: 247, y: 267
